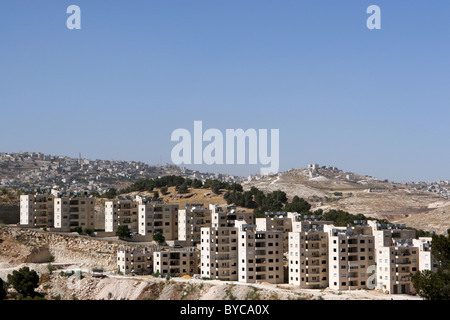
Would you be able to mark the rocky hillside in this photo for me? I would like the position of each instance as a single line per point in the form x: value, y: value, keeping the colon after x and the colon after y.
x: 331, y: 188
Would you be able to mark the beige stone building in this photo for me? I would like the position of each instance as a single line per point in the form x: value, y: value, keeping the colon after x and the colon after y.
x: 63, y: 212
x: 158, y: 217
x: 426, y: 259
x: 227, y: 217
x: 37, y: 210
x: 135, y: 261
x: 242, y: 253
x: 73, y: 211
x: 143, y: 261
x: 276, y: 221
x: 308, y: 255
x: 142, y: 216
x: 121, y: 212
x: 176, y: 262
x: 397, y: 257
x: 351, y: 255
x: 191, y: 219
x: 260, y: 255
x: 219, y: 253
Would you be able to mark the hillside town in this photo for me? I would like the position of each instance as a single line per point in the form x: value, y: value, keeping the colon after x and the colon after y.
x: 29, y: 171
x: 439, y: 187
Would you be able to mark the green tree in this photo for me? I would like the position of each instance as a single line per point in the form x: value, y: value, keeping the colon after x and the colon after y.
x: 155, y: 194
x: 88, y: 231
x: 110, y: 194
x: 159, y: 237
x: 3, y: 289
x: 164, y: 190
x: 78, y: 229
x: 432, y: 285
x: 123, y: 232
x: 435, y: 285
x: 182, y: 188
x: 215, y: 188
x: 197, y: 184
x: 24, y: 281
x: 297, y: 205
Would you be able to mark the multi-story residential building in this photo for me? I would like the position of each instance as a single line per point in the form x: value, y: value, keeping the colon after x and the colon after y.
x: 227, y: 217
x: 143, y: 216
x: 396, y: 255
x: 351, y: 252
x: 394, y: 267
x: 151, y: 260
x: 242, y: 253
x: 426, y: 259
x: 121, y: 212
x: 156, y: 216
x: 37, y: 210
x: 276, y: 221
x: 390, y: 234
x: 176, y: 262
x: 190, y: 221
x: 219, y: 253
x: 73, y: 211
x: 308, y: 255
x: 57, y: 210
x: 260, y: 254
x: 135, y: 261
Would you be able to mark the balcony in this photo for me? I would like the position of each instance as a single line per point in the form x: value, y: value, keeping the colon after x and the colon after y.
x: 353, y: 267
x: 403, y: 280
x: 402, y: 261
x: 313, y: 271
x: 353, y: 275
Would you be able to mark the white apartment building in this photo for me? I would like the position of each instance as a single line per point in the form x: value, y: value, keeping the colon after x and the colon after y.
x: 351, y: 253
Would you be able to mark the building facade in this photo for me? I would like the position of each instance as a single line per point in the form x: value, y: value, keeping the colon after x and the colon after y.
x: 176, y: 262
x: 351, y: 254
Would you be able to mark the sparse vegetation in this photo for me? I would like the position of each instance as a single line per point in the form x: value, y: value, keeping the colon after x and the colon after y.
x: 253, y: 294
x: 189, y: 288
x: 229, y: 292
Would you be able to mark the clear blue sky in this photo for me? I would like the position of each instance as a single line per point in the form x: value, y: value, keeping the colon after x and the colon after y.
x: 374, y: 102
